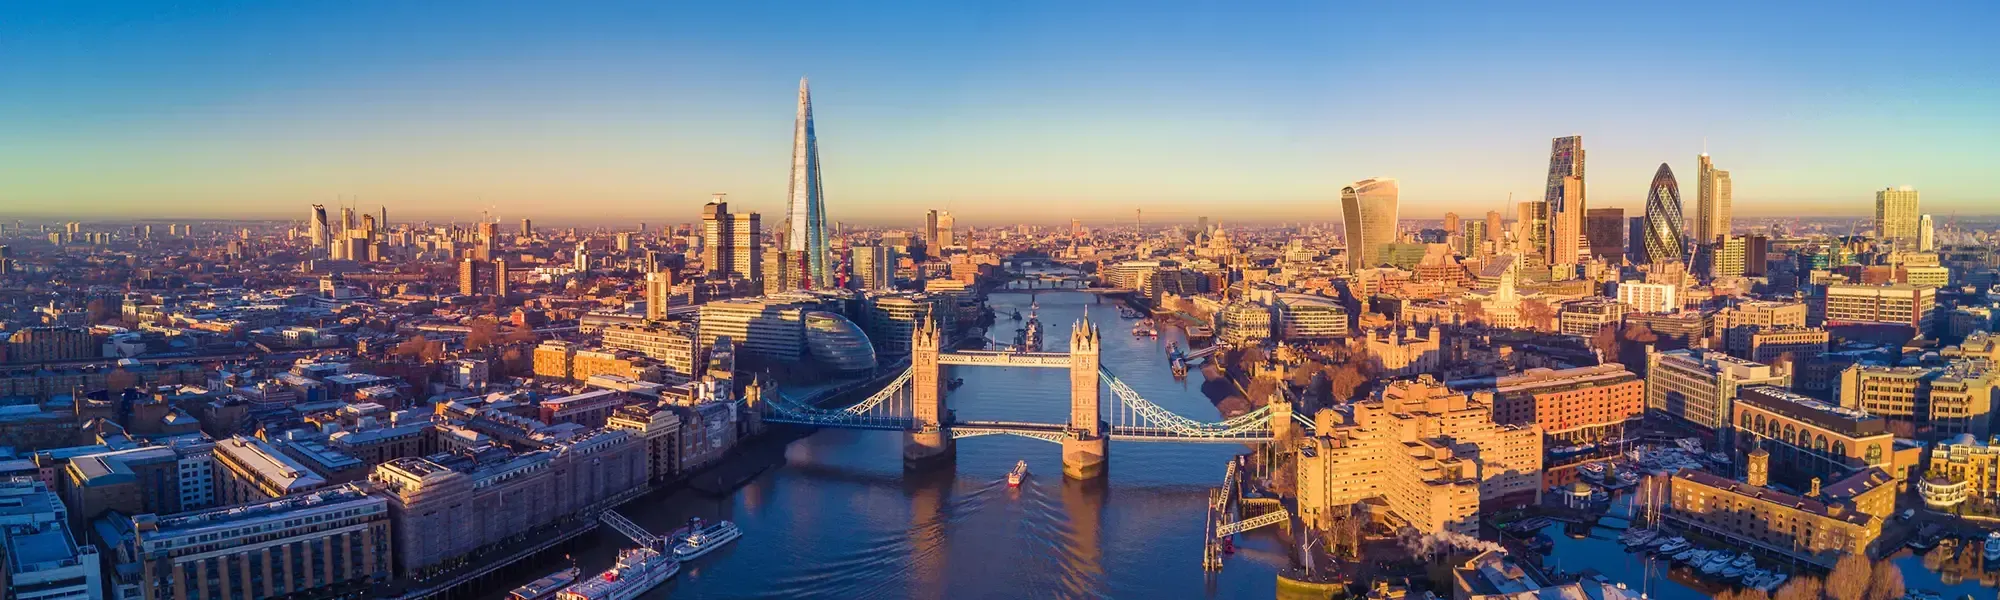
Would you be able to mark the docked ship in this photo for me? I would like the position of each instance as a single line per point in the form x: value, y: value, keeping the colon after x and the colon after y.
x: 638, y: 571
x: 1031, y: 332
x: 704, y: 540
x: 546, y: 587
x: 1020, y: 472
x: 1179, y: 366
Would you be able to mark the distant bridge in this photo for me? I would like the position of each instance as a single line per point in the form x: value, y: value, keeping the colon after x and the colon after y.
x: 932, y: 428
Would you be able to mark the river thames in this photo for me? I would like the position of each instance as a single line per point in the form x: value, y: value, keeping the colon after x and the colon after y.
x: 842, y: 519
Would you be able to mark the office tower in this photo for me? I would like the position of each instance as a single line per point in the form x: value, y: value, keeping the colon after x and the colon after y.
x: 874, y: 268
x: 947, y: 235
x: 746, y: 246
x: 1662, y: 231
x: 1369, y: 210
x: 1450, y: 223
x: 1711, y: 222
x: 1473, y: 243
x: 1926, y: 234
x: 316, y: 229
x: 779, y: 271
x: 1565, y: 197
x: 1201, y: 225
x: 1076, y: 227
x: 659, y: 289
x: 1756, y: 253
x: 623, y: 242
x: 1566, y: 236
x: 715, y: 238
x: 931, y: 230
x: 527, y: 228
x: 1729, y: 256
x: 1495, y: 229
x: 6, y: 260
x: 1532, y: 220
x: 1605, y: 230
x: 1896, y: 216
x: 806, y: 221
x: 346, y: 218
x: 581, y: 259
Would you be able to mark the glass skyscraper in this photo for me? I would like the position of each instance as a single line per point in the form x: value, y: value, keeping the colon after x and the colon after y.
x: 1369, y: 211
x: 805, y: 221
x: 1663, y: 237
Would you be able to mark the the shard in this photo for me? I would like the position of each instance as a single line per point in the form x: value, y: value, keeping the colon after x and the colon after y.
x: 1664, y: 241
x: 805, y: 220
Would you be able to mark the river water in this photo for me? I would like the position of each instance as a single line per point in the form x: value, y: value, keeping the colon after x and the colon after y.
x: 842, y: 519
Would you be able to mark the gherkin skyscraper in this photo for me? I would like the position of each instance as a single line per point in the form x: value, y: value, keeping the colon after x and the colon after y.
x: 1663, y: 238
x: 805, y: 220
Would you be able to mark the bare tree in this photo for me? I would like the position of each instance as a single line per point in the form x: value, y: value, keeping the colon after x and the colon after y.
x: 1886, y: 582
x: 1606, y: 341
x: 1803, y: 587
x: 1849, y: 579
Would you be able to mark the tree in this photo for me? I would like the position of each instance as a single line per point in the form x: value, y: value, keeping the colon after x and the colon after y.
x: 1885, y: 582
x: 1803, y: 587
x: 1538, y: 315
x: 1606, y: 341
x: 1743, y: 594
x: 1345, y: 380
x: 1474, y: 312
x: 482, y: 334
x: 522, y: 335
x: 1639, y: 334
x: 1849, y: 579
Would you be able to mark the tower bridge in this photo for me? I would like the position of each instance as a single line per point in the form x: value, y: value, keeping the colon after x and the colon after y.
x: 914, y: 403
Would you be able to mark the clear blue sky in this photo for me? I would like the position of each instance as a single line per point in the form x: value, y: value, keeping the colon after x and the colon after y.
x: 1038, y: 111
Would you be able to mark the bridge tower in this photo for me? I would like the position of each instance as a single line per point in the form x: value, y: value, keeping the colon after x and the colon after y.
x: 929, y: 440
x: 1086, y: 449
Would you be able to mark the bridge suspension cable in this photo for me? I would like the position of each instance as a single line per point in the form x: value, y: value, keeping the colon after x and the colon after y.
x: 1256, y: 423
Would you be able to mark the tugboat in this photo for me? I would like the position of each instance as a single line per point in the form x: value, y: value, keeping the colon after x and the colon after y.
x: 546, y: 587
x: 1179, y: 367
x: 1020, y: 472
x: 638, y: 571
x: 705, y: 540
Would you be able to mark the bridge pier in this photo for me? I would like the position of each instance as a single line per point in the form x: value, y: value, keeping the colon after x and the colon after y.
x: 1086, y: 457
x: 928, y: 448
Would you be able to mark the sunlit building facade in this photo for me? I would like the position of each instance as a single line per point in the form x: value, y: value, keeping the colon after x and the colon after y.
x: 1369, y: 210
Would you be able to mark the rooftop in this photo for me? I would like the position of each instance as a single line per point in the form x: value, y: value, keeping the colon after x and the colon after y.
x: 1772, y: 496
x: 284, y: 472
x: 1846, y: 421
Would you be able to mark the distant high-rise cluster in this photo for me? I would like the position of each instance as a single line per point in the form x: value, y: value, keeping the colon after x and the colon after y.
x: 1369, y: 210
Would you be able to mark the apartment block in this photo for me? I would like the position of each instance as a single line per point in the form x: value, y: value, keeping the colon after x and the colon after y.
x: 1572, y: 406
x: 1432, y: 455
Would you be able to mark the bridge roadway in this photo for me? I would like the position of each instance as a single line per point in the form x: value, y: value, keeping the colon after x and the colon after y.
x: 1050, y: 432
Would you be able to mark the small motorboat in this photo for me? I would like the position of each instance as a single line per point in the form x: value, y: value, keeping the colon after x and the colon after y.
x: 1745, y: 561
x: 1674, y: 546
x: 1019, y: 473
x: 1697, y: 558
x: 1684, y: 555
x: 1716, y: 564
x: 1640, y: 539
